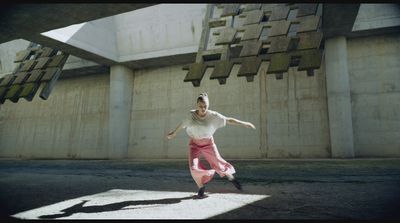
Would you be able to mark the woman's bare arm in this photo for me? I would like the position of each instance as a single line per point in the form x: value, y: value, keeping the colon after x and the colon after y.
x: 172, y: 134
x: 233, y: 121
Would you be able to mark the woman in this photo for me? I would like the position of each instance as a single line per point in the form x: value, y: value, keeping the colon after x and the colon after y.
x: 200, y: 126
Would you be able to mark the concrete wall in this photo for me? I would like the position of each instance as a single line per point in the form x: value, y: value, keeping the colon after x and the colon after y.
x: 296, y: 114
x: 72, y: 123
x: 297, y: 117
x: 374, y: 68
x: 290, y: 115
x: 8, y: 53
x: 161, y: 99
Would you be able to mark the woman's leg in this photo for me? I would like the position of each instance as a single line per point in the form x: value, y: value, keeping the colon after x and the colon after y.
x: 198, y: 171
x: 221, y: 166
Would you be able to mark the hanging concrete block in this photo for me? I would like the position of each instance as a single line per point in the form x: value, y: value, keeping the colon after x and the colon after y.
x: 3, y: 91
x: 58, y: 61
x: 279, y: 28
x: 226, y: 36
x: 249, y: 67
x: 278, y: 44
x: 21, y: 77
x: 42, y: 63
x: 309, y: 40
x: 268, y: 7
x: 252, y: 32
x: 230, y: 10
x: 222, y: 71
x: 195, y: 74
x: 7, y: 80
x: 49, y: 74
x: 279, y: 63
x: 35, y: 76
x: 23, y: 55
x: 250, y: 7
x: 253, y: 17
x: 209, y: 55
x: 27, y: 75
x: 28, y: 65
x: 279, y: 13
x: 29, y: 90
x: 309, y: 59
x: 216, y: 23
x: 47, y: 52
x: 308, y: 23
x: 48, y: 87
x: 234, y: 52
x: 306, y: 9
x: 294, y: 41
x: 13, y: 93
x: 250, y: 48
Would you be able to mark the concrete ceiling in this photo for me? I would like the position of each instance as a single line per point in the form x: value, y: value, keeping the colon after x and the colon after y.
x: 24, y: 20
x: 338, y: 19
x: 27, y: 21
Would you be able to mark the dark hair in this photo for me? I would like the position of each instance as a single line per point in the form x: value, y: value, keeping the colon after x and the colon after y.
x: 203, y: 97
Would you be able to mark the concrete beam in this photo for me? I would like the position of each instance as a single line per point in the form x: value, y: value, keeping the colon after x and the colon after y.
x: 72, y: 50
x: 376, y: 19
x: 22, y: 20
x: 162, y: 61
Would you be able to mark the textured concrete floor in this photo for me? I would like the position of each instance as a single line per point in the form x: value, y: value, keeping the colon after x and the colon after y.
x: 293, y: 189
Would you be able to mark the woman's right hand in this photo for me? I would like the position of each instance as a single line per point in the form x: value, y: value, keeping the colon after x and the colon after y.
x: 250, y: 125
x: 171, y: 135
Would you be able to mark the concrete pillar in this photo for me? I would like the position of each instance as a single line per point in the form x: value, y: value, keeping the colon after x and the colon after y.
x: 339, y: 101
x: 121, y: 88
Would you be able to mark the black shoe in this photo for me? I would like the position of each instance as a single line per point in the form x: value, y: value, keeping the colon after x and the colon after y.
x: 201, y: 191
x: 236, y: 184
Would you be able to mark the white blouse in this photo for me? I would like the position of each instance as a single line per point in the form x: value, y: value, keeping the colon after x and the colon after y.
x: 203, y: 127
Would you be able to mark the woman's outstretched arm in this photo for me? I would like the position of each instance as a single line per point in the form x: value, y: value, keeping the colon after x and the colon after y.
x: 233, y: 121
x: 172, y: 134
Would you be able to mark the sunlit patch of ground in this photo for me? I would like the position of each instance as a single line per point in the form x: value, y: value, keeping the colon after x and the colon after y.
x: 142, y: 204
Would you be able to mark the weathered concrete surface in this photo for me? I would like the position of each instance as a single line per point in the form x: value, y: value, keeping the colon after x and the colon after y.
x: 374, y: 65
x: 121, y: 87
x: 22, y: 20
x: 318, y: 189
x: 339, y: 100
x: 338, y: 19
x: 374, y: 16
x: 97, y: 36
x: 71, y: 123
x: 8, y: 54
x: 161, y: 100
x: 296, y: 115
x: 159, y: 30
x: 158, y: 35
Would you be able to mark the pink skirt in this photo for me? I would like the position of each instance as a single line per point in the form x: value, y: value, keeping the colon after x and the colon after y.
x: 208, y: 149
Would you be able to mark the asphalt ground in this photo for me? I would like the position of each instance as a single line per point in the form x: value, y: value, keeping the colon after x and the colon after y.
x: 361, y: 189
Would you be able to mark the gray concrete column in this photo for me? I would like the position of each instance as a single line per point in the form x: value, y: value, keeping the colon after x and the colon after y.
x: 121, y: 88
x: 339, y: 101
